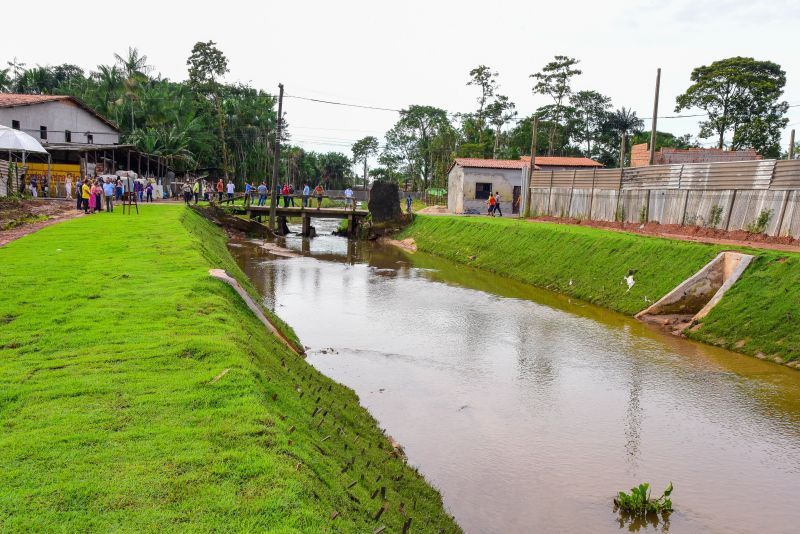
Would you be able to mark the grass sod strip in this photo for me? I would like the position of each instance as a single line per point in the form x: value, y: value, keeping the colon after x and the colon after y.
x: 760, y: 314
x: 117, y: 413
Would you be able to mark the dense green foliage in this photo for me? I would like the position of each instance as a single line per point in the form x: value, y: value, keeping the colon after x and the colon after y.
x: 742, y: 96
x: 640, y: 503
x: 116, y: 413
x: 759, y: 314
x: 185, y: 122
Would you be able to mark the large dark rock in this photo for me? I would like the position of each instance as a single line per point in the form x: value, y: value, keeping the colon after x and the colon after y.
x: 384, y: 202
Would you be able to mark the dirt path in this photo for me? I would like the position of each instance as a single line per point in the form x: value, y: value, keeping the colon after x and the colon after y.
x: 12, y: 211
x: 695, y: 234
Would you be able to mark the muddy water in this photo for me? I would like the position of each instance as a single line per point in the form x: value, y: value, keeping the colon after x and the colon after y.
x: 529, y: 410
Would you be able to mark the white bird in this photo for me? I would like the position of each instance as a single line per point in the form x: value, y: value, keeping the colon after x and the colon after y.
x: 630, y: 281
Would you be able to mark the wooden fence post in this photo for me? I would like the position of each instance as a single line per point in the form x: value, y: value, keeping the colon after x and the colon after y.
x: 619, y: 196
x: 730, y: 211
x: 550, y: 194
x: 591, y: 195
x: 685, y: 204
x: 783, y: 212
x: 571, y: 192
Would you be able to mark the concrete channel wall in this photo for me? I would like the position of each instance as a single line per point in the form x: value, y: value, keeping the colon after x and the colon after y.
x: 728, y: 196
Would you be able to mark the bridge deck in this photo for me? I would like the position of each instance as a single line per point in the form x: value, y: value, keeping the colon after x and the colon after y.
x: 333, y: 213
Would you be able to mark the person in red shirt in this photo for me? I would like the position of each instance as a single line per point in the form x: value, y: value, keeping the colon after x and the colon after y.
x: 220, y: 189
x: 492, y: 202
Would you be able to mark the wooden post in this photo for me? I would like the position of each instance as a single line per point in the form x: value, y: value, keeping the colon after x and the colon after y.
x: 621, y: 172
x: 685, y: 204
x: 647, y: 207
x: 783, y: 212
x: 730, y: 211
x: 276, y: 162
x: 534, y: 127
x: 591, y: 195
x: 571, y: 192
x: 655, y: 119
x: 550, y: 194
x: 791, y: 145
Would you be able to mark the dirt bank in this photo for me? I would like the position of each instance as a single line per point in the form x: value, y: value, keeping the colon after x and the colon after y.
x: 22, y: 217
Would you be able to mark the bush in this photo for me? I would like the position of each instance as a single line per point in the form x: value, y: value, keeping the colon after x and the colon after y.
x: 759, y: 226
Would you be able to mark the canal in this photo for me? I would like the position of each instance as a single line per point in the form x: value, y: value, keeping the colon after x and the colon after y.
x: 528, y: 410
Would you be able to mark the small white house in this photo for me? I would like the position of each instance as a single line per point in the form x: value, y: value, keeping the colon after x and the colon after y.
x: 471, y: 180
x: 56, y: 119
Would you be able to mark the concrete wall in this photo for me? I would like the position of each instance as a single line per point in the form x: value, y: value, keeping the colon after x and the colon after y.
x: 59, y: 116
x: 461, y: 188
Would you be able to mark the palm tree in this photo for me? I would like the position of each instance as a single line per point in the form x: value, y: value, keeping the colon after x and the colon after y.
x: 5, y: 81
x: 136, y: 69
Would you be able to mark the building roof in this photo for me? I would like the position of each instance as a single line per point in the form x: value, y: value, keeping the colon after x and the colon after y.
x: 12, y: 100
x: 524, y: 161
x: 559, y: 161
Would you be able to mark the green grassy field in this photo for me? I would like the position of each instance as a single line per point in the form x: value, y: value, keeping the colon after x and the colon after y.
x: 760, y: 314
x: 117, y: 413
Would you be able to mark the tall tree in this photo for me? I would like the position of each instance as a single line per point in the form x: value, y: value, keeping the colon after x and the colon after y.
x: 17, y: 67
x: 591, y: 110
x: 623, y: 121
x: 500, y: 112
x: 742, y: 96
x: 554, y: 81
x: 410, y: 139
x: 207, y: 64
x: 483, y: 77
x: 134, y: 66
x: 363, y: 149
x: 5, y: 80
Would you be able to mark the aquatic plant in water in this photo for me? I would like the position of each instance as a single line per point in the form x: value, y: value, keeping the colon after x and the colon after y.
x: 639, y: 507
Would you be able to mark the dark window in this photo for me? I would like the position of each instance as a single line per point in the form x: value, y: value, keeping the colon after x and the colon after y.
x: 89, y: 138
x: 43, y: 132
x: 482, y: 191
x: 67, y: 136
x: 15, y: 125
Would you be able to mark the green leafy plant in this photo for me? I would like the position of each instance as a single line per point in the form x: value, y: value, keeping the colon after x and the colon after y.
x: 759, y: 226
x: 640, y: 503
x: 643, y: 215
x: 716, y: 216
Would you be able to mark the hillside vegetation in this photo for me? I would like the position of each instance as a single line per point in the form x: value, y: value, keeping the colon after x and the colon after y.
x: 139, y: 394
x: 760, y: 315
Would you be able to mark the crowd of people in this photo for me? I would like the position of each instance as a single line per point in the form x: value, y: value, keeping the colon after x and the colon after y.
x: 91, y: 193
x: 256, y: 193
x: 494, y: 204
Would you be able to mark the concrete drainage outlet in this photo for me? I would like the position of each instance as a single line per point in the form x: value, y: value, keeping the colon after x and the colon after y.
x: 698, y: 294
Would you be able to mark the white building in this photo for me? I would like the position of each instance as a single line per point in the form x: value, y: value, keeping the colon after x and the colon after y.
x: 471, y: 180
x: 56, y: 119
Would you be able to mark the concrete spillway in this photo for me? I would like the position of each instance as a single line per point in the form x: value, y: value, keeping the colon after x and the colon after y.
x: 698, y: 294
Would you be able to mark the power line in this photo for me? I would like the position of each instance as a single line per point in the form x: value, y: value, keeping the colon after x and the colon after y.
x: 342, y: 103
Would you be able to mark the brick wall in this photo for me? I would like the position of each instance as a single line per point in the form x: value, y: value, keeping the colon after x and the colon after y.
x: 640, y: 155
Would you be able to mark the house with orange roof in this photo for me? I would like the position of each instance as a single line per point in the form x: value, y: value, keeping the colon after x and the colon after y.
x: 471, y: 180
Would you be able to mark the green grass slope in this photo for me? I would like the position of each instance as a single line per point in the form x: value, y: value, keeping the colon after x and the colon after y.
x: 115, y: 413
x: 760, y: 314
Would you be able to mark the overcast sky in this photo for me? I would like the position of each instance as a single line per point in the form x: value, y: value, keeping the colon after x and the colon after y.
x: 420, y: 52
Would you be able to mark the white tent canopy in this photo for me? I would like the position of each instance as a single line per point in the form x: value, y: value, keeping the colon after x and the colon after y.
x: 18, y: 141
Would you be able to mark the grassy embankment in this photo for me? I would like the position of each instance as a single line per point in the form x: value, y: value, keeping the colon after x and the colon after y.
x: 760, y: 315
x: 116, y: 412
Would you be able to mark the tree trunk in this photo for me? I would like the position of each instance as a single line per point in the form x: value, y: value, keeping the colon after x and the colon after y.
x: 222, y: 137
x: 496, y: 142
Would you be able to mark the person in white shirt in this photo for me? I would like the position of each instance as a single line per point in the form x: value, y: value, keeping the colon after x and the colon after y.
x: 348, y: 198
x: 68, y: 186
x: 231, y: 189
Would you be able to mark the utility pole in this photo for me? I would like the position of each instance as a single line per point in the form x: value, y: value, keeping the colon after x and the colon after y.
x: 791, y: 145
x: 273, y: 199
x: 655, y: 120
x: 622, y: 151
x: 527, y: 192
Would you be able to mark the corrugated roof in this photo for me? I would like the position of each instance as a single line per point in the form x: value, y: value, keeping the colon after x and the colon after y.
x: 491, y: 163
x: 562, y: 161
x: 524, y: 161
x: 10, y: 100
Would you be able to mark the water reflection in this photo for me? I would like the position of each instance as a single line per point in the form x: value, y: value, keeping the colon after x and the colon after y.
x: 530, y: 411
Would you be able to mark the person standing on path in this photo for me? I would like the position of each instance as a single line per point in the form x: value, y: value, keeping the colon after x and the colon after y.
x: 492, y: 202
x: 86, y: 193
x: 348, y: 198
x: 68, y: 186
x: 497, y: 203
x: 220, y: 189
x: 92, y: 198
x: 187, y: 193
x: 408, y: 203
x: 291, y: 195
x: 108, y: 191
x: 118, y: 190
x: 79, y: 194
x: 231, y: 189
x: 262, y: 194
x: 285, y: 193
x: 247, y: 192
x: 319, y: 191
x: 98, y: 195
x: 149, y: 190
x: 196, y: 191
x: 34, y: 192
x: 306, y: 194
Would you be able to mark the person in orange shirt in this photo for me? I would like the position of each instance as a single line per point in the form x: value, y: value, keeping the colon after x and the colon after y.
x: 220, y: 189
x: 492, y: 202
